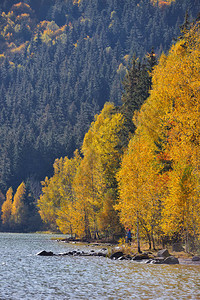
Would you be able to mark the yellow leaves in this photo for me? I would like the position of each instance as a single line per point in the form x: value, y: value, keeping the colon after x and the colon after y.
x: 7, y: 207
x: 56, y: 204
x: 162, y: 2
x: 170, y: 119
x: 179, y: 48
x: 76, y: 2
x: 167, y: 131
x: 87, y: 38
x: 137, y: 183
x: 21, y: 8
x: 2, y: 58
x: 127, y: 57
x: 121, y: 69
x: 18, y: 208
x: 51, y: 32
x: 19, y: 49
x: 75, y: 45
x: 80, y: 195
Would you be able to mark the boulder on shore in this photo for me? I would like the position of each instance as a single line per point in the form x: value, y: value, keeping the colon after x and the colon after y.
x: 141, y: 256
x: 171, y: 260
x: 196, y: 258
x: 163, y: 253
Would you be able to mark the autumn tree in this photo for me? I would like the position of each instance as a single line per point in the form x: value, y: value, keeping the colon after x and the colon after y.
x: 68, y: 216
x: 139, y: 205
x: 183, y: 138
x: 56, y: 203
x: 95, y: 182
x: 19, y: 209
x: 170, y: 118
x: 6, y: 208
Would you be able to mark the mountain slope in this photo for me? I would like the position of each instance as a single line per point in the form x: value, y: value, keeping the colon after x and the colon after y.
x: 60, y: 62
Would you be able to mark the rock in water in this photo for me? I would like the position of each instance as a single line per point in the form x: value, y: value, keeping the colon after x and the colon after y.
x: 117, y: 255
x: 45, y: 253
x: 171, y: 260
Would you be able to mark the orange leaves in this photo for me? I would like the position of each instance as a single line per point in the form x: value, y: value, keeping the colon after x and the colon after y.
x: 21, y: 8
x: 162, y: 3
x: 19, y: 49
x: 76, y: 2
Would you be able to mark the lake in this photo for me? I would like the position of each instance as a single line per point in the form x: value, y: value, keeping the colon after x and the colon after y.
x: 24, y: 275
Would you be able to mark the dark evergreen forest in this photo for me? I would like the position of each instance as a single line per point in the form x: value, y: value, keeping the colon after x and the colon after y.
x: 60, y: 61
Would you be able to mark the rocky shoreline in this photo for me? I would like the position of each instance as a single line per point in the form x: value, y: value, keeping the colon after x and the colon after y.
x: 162, y: 257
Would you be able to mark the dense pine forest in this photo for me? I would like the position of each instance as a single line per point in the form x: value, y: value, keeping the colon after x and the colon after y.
x: 60, y: 62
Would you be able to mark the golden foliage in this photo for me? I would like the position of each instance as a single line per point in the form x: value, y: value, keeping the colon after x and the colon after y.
x: 76, y: 2
x: 170, y: 119
x: 7, y: 207
x: 162, y: 3
x: 56, y: 204
x: 19, y: 49
x: 18, y: 207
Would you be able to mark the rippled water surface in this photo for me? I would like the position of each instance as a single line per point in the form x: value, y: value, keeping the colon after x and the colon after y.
x: 23, y: 275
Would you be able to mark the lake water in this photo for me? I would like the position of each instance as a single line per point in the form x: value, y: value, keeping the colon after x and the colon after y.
x: 24, y: 275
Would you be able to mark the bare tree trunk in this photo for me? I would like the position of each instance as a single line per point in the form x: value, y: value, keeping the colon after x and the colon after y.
x: 149, y: 240
x: 152, y: 238
x: 138, y: 235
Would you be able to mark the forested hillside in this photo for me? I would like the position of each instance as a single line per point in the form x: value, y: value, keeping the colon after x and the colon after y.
x: 60, y: 61
x: 151, y: 185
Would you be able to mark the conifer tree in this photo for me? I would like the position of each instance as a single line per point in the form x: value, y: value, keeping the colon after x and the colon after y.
x: 137, y: 84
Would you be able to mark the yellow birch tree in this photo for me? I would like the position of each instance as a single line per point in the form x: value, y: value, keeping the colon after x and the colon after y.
x: 7, y: 208
x: 19, y: 209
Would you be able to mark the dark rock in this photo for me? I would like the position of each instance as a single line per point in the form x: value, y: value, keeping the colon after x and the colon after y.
x: 116, y: 255
x: 141, y: 256
x: 163, y: 253
x: 149, y: 261
x: 122, y: 258
x: 177, y: 247
x: 153, y: 261
x: 171, y: 260
x: 45, y: 253
x: 128, y: 257
x: 63, y: 254
x: 196, y: 258
x: 101, y: 254
x: 158, y: 260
